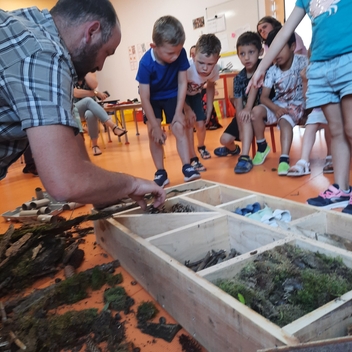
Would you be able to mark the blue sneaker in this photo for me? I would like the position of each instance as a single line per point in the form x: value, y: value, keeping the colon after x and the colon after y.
x: 332, y: 198
x: 244, y: 165
x: 223, y: 151
x: 160, y: 178
x: 189, y: 173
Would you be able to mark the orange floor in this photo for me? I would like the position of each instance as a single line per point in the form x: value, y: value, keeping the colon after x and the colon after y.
x: 135, y: 159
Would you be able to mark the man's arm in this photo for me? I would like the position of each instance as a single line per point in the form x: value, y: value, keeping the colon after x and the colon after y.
x: 68, y: 175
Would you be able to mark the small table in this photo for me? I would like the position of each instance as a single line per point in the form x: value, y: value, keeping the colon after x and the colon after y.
x: 122, y: 108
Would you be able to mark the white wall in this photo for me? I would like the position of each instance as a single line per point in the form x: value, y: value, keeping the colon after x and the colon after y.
x: 137, y: 18
x: 304, y: 29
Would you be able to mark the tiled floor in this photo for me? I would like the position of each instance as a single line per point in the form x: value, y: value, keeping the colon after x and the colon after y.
x: 135, y: 159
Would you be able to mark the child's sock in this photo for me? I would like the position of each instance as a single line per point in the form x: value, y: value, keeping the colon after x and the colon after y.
x: 194, y: 159
x: 261, y: 145
x: 284, y: 158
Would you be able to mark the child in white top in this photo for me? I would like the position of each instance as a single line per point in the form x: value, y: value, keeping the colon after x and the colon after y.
x: 203, y: 72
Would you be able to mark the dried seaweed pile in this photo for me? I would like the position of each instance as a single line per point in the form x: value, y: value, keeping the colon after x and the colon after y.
x: 287, y: 283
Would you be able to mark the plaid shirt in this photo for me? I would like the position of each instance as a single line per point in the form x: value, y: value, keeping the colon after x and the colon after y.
x: 36, y: 79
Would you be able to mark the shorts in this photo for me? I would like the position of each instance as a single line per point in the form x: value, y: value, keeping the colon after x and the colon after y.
x: 233, y: 130
x: 293, y: 117
x: 196, y: 104
x: 316, y: 116
x: 329, y: 81
x: 168, y: 106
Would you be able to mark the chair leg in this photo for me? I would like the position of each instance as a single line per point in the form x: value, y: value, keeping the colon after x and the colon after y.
x: 253, y: 147
x: 272, y: 135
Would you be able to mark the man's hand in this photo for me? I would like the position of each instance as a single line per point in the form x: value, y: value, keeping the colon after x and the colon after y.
x: 144, y: 187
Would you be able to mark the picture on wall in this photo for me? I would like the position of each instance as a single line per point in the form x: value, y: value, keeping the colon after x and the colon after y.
x: 198, y: 22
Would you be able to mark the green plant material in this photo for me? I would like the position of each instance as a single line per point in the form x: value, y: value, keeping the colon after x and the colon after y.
x: 241, y: 299
x: 146, y: 311
x: 117, y: 297
x: 100, y: 278
x: 113, y: 280
x: 287, y: 283
x: 58, y: 330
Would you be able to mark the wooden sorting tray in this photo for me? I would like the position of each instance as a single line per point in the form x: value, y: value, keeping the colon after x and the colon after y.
x: 154, y: 248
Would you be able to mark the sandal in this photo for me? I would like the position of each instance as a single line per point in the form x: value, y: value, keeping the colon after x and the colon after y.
x: 123, y: 132
x: 300, y: 169
x: 96, y: 150
x: 328, y: 167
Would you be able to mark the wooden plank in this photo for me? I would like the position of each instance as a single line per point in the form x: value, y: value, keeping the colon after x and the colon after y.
x: 154, y: 224
x: 219, y: 195
x: 216, y: 320
x: 340, y: 344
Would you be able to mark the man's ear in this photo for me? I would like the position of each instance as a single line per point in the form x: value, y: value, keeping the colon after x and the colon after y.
x: 93, y: 29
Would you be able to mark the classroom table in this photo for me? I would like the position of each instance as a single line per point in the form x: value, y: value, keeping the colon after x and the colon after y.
x: 122, y: 107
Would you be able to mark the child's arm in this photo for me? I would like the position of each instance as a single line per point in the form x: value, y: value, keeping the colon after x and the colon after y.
x: 210, y: 91
x: 265, y: 100
x: 181, y: 95
x: 246, y: 113
x: 280, y: 40
x: 158, y: 135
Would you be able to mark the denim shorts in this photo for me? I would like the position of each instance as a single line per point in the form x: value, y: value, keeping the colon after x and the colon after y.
x: 316, y: 116
x: 196, y: 104
x: 329, y: 81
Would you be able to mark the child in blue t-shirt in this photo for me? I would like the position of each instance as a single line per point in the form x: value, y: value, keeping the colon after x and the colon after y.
x: 162, y: 87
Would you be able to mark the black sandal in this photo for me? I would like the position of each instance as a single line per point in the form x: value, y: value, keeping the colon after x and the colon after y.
x: 121, y: 134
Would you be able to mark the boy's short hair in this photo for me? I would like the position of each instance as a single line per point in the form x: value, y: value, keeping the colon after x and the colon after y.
x: 168, y: 30
x: 249, y: 38
x: 208, y: 44
x: 273, y: 33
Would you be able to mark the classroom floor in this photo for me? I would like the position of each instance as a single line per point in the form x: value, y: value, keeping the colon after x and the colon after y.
x: 134, y: 158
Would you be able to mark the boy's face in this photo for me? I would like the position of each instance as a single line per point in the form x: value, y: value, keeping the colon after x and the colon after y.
x: 205, y: 64
x: 166, y: 53
x: 285, y: 57
x: 248, y: 55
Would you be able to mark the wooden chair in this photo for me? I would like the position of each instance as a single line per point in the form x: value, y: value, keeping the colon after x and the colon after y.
x: 272, y: 136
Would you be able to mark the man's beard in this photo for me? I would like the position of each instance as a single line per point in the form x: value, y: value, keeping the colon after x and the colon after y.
x: 84, y: 59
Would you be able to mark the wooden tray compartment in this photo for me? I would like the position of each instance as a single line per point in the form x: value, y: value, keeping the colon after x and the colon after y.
x: 328, y: 321
x: 297, y: 210
x: 192, y: 242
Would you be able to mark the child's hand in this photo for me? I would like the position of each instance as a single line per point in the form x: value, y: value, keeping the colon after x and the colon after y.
x: 179, y: 117
x: 190, y: 117
x: 257, y: 80
x: 159, y: 136
x: 245, y: 115
x: 280, y: 111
